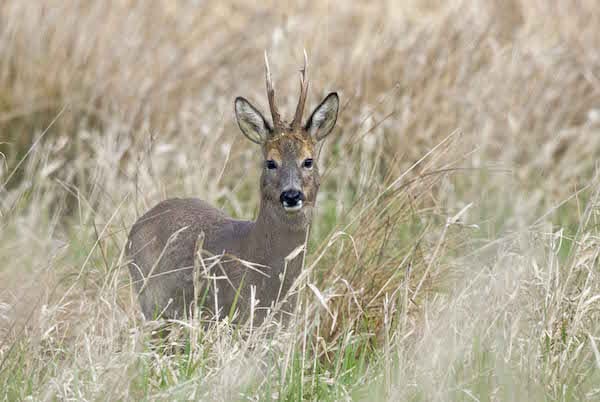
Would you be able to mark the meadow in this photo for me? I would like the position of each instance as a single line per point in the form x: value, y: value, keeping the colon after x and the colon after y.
x: 455, y: 252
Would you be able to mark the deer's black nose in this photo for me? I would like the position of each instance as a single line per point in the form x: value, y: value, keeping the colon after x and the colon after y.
x: 291, y: 198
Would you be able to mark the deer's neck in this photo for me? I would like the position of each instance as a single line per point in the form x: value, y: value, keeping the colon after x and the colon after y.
x: 275, y: 238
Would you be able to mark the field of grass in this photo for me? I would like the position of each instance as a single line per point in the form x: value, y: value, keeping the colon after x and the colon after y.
x: 455, y: 254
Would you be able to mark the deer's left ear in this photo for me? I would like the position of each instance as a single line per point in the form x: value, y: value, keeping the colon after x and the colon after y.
x: 323, y: 118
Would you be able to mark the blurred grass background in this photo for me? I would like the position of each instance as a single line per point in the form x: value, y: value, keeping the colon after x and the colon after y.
x: 455, y: 249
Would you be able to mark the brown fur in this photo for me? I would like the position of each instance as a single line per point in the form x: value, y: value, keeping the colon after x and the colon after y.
x: 263, y: 242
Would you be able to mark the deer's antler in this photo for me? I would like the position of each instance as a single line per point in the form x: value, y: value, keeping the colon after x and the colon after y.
x: 297, y: 122
x: 277, y: 123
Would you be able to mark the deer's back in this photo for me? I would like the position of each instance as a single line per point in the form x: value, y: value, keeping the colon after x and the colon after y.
x: 161, y: 250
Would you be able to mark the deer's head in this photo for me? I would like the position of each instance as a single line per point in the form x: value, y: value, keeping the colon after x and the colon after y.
x: 290, y: 177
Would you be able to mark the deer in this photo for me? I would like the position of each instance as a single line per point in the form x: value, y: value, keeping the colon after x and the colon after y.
x: 162, y: 244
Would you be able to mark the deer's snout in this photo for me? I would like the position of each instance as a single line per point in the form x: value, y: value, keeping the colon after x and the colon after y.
x: 292, y: 200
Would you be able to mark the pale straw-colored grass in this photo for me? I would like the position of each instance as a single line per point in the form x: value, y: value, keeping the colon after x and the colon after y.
x: 455, y: 255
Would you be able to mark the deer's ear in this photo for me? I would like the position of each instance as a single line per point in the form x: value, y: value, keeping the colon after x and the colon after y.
x: 251, y: 121
x: 323, y: 118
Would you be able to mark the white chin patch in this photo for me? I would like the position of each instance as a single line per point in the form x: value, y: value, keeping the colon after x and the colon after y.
x: 295, y: 208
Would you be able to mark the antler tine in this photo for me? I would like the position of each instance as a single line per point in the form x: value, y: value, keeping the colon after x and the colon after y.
x: 303, y: 92
x: 271, y: 94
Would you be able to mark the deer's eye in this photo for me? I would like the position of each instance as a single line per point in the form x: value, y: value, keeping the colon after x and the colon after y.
x: 270, y: 164
x: 308, y: 163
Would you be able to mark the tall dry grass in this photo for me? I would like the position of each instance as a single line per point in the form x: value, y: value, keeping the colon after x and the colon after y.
x: 455, y: 251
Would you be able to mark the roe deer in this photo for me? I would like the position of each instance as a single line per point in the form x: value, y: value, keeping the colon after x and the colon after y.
x: 162, y: 243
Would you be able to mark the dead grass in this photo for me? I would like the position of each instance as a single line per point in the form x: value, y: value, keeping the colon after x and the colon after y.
x: 455, y: 255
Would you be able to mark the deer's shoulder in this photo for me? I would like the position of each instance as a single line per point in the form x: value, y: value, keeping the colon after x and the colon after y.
x: 187, y: 216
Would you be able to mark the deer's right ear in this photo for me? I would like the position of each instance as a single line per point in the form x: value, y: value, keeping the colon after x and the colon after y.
x: 251, y: 121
